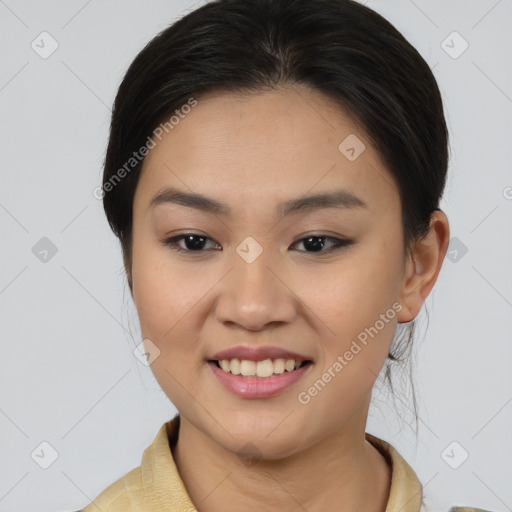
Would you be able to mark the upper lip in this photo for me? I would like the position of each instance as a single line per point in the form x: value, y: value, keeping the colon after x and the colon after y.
x: 257, y: 354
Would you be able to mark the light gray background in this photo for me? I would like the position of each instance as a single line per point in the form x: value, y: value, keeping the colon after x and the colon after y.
x: 68, y: 328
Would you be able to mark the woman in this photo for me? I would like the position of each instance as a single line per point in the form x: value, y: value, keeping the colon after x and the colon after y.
x: 274, y: 173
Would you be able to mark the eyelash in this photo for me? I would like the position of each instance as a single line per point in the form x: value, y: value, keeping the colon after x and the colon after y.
x: 339, y: 243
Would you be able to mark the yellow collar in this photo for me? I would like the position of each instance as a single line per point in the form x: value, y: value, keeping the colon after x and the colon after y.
x: 406, y: 490
x: 157, y: 486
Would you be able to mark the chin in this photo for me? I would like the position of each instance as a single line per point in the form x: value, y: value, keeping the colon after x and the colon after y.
x: 254, y: 445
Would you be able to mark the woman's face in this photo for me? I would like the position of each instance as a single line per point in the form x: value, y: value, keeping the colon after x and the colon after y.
x: 259, y: 278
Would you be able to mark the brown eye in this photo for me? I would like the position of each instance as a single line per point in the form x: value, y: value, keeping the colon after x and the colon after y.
x: 193, y: 242
x: 317, y: 243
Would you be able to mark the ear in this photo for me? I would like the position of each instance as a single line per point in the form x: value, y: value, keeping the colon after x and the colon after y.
x: 423, y: 266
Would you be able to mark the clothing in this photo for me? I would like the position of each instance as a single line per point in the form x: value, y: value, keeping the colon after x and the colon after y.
x: 156, y: 486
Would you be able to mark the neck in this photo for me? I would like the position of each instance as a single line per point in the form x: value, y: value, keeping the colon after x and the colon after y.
x: 342, y: 472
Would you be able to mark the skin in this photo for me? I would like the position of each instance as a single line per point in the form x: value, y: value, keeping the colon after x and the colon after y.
x: 254, y: 152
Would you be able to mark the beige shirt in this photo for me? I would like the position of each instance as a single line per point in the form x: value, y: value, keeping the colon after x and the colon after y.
x: 156, y: 486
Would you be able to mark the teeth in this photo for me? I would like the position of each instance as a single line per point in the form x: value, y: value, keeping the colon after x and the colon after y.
x: 247, y: 367
x: 279, y: 365
x: 264, y: 368
x: 233, y: 366
x: 289, y: 365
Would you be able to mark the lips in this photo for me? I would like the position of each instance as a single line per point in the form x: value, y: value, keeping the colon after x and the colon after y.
x: 234, y: 369
x: 258, y: 354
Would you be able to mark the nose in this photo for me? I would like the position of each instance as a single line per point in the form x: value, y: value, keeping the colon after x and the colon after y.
x: 255, y: 295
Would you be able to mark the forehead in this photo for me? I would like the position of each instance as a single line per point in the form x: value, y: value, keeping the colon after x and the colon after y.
x: 265, y: 146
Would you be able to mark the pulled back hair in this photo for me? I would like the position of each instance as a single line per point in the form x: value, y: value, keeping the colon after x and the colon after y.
x: 340, y: 48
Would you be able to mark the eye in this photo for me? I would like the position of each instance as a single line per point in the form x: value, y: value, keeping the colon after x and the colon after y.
x: 195, y: 243
x: 317, y: 243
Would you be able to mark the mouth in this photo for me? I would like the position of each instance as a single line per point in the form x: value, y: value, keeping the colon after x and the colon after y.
x: 258, y: 379
x: 259, y: 369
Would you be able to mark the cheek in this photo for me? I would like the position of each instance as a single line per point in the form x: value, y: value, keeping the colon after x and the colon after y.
x: 358, y: 324
x: 165, y: 296
x: 353, y: 300
x: 356, y: 289
x: 164, y: 292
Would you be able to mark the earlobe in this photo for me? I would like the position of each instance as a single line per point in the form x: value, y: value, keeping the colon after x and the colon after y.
x: 423, y: 266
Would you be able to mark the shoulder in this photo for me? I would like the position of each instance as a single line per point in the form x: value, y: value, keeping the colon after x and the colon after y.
x: 405, y: 483
x: 155, y: 484
x: 120, y: 495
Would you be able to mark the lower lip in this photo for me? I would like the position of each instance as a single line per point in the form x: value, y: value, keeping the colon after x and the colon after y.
x: 258, y: 387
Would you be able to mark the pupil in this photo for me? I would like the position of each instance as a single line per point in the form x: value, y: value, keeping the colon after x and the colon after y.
x: 316, y: 246
x: 194, y: 245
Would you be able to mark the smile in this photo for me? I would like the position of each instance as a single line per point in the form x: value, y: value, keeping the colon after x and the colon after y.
x: 258, y: 379
x: 265, y: 368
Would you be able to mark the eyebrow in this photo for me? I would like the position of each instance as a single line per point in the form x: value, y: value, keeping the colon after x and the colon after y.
x: 332, y: 199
